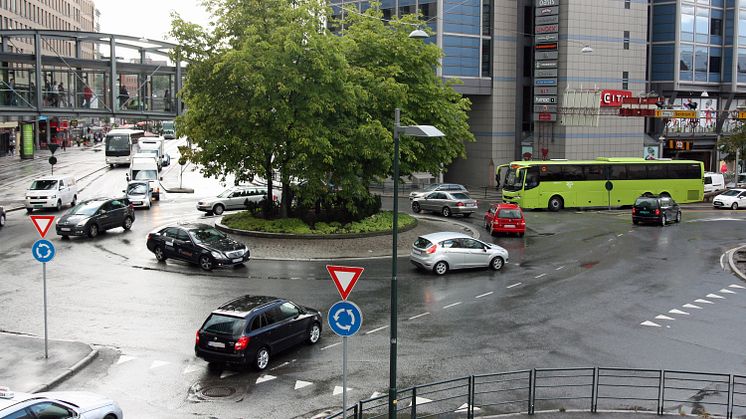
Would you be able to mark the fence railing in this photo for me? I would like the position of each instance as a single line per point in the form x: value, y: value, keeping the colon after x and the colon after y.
x: 564, y: 389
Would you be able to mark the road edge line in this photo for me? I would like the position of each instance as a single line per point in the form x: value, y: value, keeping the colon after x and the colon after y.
x: 732, y: 264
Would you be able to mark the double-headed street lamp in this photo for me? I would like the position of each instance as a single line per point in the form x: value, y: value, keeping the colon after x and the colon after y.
x: 415, y: 131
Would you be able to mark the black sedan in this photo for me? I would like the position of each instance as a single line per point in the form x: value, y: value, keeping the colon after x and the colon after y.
x: 248, y: 330
x: 197, y: 243
x: 655, y: 209
x: 89, y: 218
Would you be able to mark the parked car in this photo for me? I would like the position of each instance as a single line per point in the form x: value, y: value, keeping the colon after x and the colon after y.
x: 51, y: 192
x: 2, y: 217
x: 714, y: 182
x: 57, y: 404
x: 441, y: 252
x: 438, y: 187
x: 505, y: 218
x: 446, y: 203
x: 235, y: 199
x: 197, y: 243
x: 139, y: 193
x: 655, y: 209
x: 249, y: 330
x: 91, y: 217
x: 740, y: 182
x: 733, y: 199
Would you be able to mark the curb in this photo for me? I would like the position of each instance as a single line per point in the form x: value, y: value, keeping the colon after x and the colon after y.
x: 732, y: 263
x: 68, y: 372
x: 220, y: 226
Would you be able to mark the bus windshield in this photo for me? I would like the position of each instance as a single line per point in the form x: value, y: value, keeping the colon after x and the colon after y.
x: 117, y: 143
x: 514, y: 179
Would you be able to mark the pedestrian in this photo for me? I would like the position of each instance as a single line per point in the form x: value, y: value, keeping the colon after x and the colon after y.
x: 54, y: 98
x: 12, y: 144
x: 723, y: 167
x: 62, y: 98
x: 167, y: 100
x: 87, y: 96
x: 124, y: 96
x: 64, y: 143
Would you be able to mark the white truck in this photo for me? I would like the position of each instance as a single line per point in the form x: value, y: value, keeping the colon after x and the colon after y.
x: 154, y: 145
x: 145, y: 167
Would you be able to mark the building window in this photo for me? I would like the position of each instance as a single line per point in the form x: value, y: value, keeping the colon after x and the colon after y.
x: 686, y: 62
x: 687, y: 23
x: 625, y: 80
x: 626, y: 39
x: 627, y: 4
x: 486, y: 57
x: 700, y: 63
x: 486, y: 17
x: 716, y: 27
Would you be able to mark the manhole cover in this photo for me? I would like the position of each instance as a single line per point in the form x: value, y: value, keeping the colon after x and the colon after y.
x: 215, y: 392
x: 218, y: 391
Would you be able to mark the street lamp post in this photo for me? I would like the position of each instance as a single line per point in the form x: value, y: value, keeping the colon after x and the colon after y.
x: 415, y: 131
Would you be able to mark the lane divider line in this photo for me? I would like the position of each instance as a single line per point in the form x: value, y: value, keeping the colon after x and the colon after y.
x: 485, y: 294
x: 427, y: 313
x: 560, y: 268
x: 331, y: 346
x: 514, y: 285
x: 376, y: 330
x: 451, y: 305
x: 540, y: 276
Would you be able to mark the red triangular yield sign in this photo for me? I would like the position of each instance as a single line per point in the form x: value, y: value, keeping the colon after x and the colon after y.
x: 344, y: 278
x: 42, y: 223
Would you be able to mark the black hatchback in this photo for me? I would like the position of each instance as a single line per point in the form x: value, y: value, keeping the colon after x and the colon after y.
x: 655, y: 209
x: 197, y: 243
x: 89, y: 218
x: 250, y: 329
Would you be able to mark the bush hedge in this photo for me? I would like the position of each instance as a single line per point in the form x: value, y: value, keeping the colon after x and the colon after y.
x: 377, y: 223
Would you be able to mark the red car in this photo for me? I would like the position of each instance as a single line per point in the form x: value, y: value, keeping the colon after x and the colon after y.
x: 505, y: 218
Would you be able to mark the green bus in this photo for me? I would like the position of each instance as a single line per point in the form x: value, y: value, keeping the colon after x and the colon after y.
x: 604, y: 182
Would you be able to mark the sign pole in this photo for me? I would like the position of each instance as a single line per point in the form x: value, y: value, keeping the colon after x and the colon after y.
x: 344, y: 378
x: 46, y: 336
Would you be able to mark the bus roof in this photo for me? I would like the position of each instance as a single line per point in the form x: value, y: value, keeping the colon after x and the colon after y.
x: 599, y: 160
x: 125, y: 131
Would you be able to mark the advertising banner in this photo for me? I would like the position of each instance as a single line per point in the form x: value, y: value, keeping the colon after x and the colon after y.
x: 27, y: 139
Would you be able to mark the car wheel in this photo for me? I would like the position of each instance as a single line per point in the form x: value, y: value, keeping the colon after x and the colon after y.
x: 205, y: 262
x: 446, y: 212
x: 663, y: 220
x: 92, y: 230
x: 497, y: 263
x: 74, y: 201
x: 521, y: 234
x: 635, y: 222
x: 314, y: 333
x: 262, y: 359
x: 440, y: 268
x: 678, y: 217
x: 416, y: 207
x: 2, y: 220
x: 127, y: 223
x: 64, y: 237
x: 218, y: 209
x: 467, y: 215
x: 160, y: 255
x: 29, y: 210
x: 59, y: 205
x: 734, y: 206
x: 110, y: 417
x: 555, y: 203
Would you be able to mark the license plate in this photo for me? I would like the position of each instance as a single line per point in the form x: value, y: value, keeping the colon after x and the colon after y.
x: 471, y: 205
x: 38, y: 206
x: 416, y: 252
x: 216, y: 344
x: 509, y: 226
x: 718, y: 204
x: 136, y: 202
x: 64, y: 229
x: 237, y: 260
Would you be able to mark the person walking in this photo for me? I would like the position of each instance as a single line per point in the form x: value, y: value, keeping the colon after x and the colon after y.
x: 62, y: 98
x: 87, y: 96
x: 12, y: 144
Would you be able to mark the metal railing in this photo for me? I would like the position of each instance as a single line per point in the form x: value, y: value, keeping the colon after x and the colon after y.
x: 564, y: 389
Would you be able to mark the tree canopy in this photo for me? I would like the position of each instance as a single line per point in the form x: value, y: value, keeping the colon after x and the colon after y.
x: 270, y: 90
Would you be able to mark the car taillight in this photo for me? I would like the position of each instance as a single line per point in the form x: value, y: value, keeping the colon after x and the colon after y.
x: 197, y: 339
x: 634, y: 210
x: 657, y: 212
x: 430, y: 250
x: 241, y: 343
x: 150, y: 236
x: 460, y: 204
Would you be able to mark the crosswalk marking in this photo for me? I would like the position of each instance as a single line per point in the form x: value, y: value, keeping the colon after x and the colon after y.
x: 648, y: 323
x: 190, y: 369
x: 338, y: 390
x: 157, y: 364
x: 300, y: 384
x: 125, y: 358
x: 264, y: 378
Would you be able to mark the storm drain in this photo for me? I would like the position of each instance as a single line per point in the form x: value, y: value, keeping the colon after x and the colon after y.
x: 214, y: 392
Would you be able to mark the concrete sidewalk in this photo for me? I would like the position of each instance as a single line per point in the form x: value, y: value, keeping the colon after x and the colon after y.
x: 30, y: 371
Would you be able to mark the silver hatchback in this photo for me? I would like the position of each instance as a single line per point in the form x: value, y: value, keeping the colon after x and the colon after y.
x: 446, y: 203
x: 441, y: 252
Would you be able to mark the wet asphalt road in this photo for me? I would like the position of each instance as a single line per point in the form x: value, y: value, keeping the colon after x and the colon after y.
x: 575, y: 293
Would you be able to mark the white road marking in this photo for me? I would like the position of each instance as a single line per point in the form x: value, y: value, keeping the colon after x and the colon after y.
x: 300, y: 384
x: 649, y: 324
x: 226, y: 374
x: 125, y: 358
x: 451, y: 305
x: 540, y: 276
x: 620, y: 235
x: 677, y: 311
x: 720, y: 297
x: 465, y: 407
x: 331, y: 346
x: 722, y: 266
x: 420, y: 400
x: 727, y: 291
x: 514, y: 285
x: 699, y: 300
x: 664, y: 317
x: 376, y: 394
x: 560, y: 268
x: 157, y: 364
x: 376, y: 330
x: 338, y: 390
x: 427, y: 313
x: 280, y: 366
x: 485, y: 294
x: 264, y: 378
x: 688, y: 305
x: 191, y: 368
x: 295, y: 278
x: 740, y: 287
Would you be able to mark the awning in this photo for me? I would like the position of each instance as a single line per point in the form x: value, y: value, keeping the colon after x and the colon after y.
x: 5, y: 125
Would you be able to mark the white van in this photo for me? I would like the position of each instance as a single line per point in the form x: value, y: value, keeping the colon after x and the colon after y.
x: 714, y: 182
x: 145, y: 168
x: 51, y: 192
x: 147, y: 144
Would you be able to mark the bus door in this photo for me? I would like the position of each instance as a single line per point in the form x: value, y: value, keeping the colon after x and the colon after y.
x: 530, y: 186
x: 500, y: 174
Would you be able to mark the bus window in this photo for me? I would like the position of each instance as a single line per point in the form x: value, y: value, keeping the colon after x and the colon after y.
x: 550, y: 173
x: 595, y: 172
x: 658, y: 171
x: 514, y: 180
x: 618, y: 172
x: 532, y: 177
x: 572, y: 172
x: 637, y: 172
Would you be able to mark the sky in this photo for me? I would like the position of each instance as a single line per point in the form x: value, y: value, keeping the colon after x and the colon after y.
x: 148, y: 18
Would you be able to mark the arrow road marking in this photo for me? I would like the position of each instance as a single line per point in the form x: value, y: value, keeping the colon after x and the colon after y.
x: 420, y: 315
x: 465, y: 407
x: 338, y: 390
x: 376, y: 330
x: 191, y: 368
x: 662, y: 317
x: 692, y: 306
x: 264, y: 378
x: 419, y: 401
x: 451, y: 305
x: 375, y: 394
x: 649, y: 324
x: 300, y: 384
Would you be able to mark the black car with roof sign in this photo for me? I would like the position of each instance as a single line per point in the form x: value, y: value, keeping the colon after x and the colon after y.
x: 248, y: 330
x: 197, y: 243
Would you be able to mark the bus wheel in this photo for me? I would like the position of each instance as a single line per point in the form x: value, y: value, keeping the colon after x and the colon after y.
x: 555, y: 203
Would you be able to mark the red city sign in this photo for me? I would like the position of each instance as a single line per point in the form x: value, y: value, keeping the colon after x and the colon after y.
x: 545, y: 116
x: 613, y: 98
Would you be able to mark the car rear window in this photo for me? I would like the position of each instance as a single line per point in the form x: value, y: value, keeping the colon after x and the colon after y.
x: 224, y: 325
x: 646, y: 203
x: 422, y: 243
x: 460, y: 195
x: 509, y: 213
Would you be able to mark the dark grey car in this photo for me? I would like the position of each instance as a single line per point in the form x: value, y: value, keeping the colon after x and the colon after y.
x: 89, y: 218
x: 446, y: 203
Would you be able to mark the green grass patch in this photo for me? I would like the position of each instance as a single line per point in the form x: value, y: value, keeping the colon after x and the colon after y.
x: 377, y: 223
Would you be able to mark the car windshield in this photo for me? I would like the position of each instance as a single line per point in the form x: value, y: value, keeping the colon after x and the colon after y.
x: 514, y: 180
x: 85, y: 208
x: 137, y: 189
x: 226, y: 193
x: 646, y: 203
x: 422, y: 243
x: 509, y: 213
x: 43, y: 185
x: 206, y: 235
x: 224, y: 325
x: 460, y: 195
x: 149, y: 151
x: 732, y: 192
x: 144, y: 174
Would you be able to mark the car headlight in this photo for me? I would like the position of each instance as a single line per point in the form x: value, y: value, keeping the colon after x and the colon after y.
x: 217, y: 255
x: 53, y: 197
x: 200, y: 203
x: 82, y: 223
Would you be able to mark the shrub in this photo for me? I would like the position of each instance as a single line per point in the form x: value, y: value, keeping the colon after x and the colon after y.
x: 381, y: 222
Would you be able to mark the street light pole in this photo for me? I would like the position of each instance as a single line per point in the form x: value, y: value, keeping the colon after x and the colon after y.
x: 394, y: 296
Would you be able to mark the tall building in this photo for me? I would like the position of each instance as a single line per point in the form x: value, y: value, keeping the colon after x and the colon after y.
x: 62, y: 15
x: 516, y: 58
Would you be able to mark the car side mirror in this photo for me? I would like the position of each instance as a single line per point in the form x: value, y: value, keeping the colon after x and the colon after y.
x: 123, y: 191
x: 160, y: 178
x: 127, y: 176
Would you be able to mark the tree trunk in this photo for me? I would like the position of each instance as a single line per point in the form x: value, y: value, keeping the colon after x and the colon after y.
x: 268, y: 175
x: 287, y: 199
